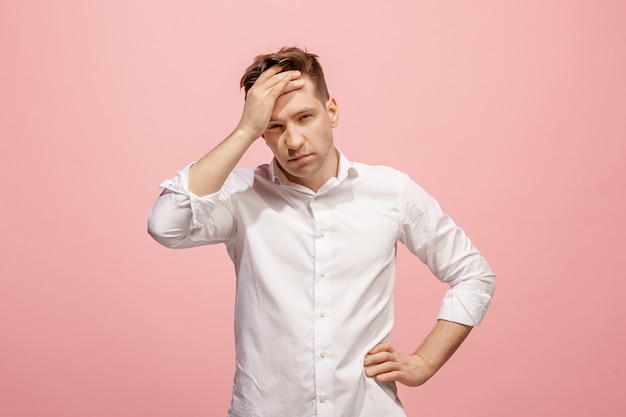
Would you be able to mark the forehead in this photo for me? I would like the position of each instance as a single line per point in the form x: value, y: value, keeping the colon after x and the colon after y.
x: 293, y: 101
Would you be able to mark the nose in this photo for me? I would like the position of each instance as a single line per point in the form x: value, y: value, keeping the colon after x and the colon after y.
x: 293, y: 137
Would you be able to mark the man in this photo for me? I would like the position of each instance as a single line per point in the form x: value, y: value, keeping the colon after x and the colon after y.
x: 313, y: 238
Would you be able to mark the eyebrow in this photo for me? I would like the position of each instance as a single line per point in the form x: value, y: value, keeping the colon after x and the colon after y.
x: 300, y: 112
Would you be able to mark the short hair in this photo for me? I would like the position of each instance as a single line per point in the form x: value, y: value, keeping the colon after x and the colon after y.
x: 292, y: 58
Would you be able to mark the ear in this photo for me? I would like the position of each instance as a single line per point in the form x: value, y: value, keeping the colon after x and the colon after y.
x: 333, y: 111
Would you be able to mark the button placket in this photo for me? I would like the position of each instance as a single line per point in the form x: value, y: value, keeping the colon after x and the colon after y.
x: 322, y: 296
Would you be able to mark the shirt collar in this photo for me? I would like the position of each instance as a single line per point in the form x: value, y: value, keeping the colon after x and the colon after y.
x: 346, y: 169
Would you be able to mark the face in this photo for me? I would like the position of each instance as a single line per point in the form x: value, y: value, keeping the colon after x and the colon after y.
x: 301, y: 138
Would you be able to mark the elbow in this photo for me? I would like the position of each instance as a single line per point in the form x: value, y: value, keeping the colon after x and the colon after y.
x: 168, y: 221
x: 488, y: 282
x: 164, y: 234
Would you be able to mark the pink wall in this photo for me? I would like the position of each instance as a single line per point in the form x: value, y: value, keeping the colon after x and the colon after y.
x: 513, y: 114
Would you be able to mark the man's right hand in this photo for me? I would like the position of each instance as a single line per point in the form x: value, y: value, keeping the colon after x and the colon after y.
x: 208, y: 174
x: 262, y: 97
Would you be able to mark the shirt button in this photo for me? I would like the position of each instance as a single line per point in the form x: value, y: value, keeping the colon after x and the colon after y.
x: 323, y: 355
x: 323, y: 399
x: 323, y: 274
x: 323, y: 314
x: 322, y: 232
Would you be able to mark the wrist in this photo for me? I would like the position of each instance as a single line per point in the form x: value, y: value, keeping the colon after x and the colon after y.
x: 429, y: 365
x: 245, y: 134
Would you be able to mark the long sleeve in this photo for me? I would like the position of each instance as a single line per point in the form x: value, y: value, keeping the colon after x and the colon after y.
x: 180, y: 219
x: 450, y: 255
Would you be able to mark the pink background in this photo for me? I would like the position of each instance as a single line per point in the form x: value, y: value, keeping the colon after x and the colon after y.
x: 513, y: 114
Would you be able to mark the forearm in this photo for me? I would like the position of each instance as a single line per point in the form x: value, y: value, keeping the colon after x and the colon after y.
x: 386, y: 364
x: 208, y: 174
x: 441, y: 343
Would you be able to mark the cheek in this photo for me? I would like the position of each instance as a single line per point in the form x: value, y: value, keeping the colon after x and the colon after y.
x: 270, y: 140
x: 271, y: 143
x: 323, y: 132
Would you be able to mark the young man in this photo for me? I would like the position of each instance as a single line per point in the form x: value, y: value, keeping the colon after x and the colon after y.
x: 313, y: 238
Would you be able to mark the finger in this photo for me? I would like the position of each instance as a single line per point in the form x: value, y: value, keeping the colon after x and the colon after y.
x: 378, y: 358
x: 293, y: 85
x: 382, y: 347
x: 273, y: 75
x: 284, y: 86
x: 276, y: 86
x: 381, y: 368
x: 389, y: 376
x: 270, y: 72
x: 287, y: 80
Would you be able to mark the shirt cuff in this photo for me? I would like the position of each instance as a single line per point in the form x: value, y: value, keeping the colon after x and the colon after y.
x: 178, y: 184
x: 464, y: 307
x: 201, y: 207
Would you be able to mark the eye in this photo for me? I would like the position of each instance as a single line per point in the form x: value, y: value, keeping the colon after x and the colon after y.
x: 305, y: 116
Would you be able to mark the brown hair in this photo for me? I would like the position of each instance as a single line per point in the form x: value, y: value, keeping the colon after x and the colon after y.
x: 292, y: 58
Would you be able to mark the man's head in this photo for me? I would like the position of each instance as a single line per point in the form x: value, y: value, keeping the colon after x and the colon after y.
x: 290, y: 58
x: 299, y: 129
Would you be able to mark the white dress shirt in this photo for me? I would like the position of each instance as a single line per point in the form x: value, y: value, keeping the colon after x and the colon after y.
x: 315, y: 276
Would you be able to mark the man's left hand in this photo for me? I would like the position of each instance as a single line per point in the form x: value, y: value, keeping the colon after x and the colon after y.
x: 385, y: 364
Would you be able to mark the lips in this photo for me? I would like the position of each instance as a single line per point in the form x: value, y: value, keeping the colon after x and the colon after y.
x: 298, y: 158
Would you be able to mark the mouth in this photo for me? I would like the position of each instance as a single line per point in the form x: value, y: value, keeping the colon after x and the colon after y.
x: 298, y: 158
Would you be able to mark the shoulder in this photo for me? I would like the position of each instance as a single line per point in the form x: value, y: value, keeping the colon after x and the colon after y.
x: 383, y: 175
x: 376, y: 170
x: 411, y: 196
